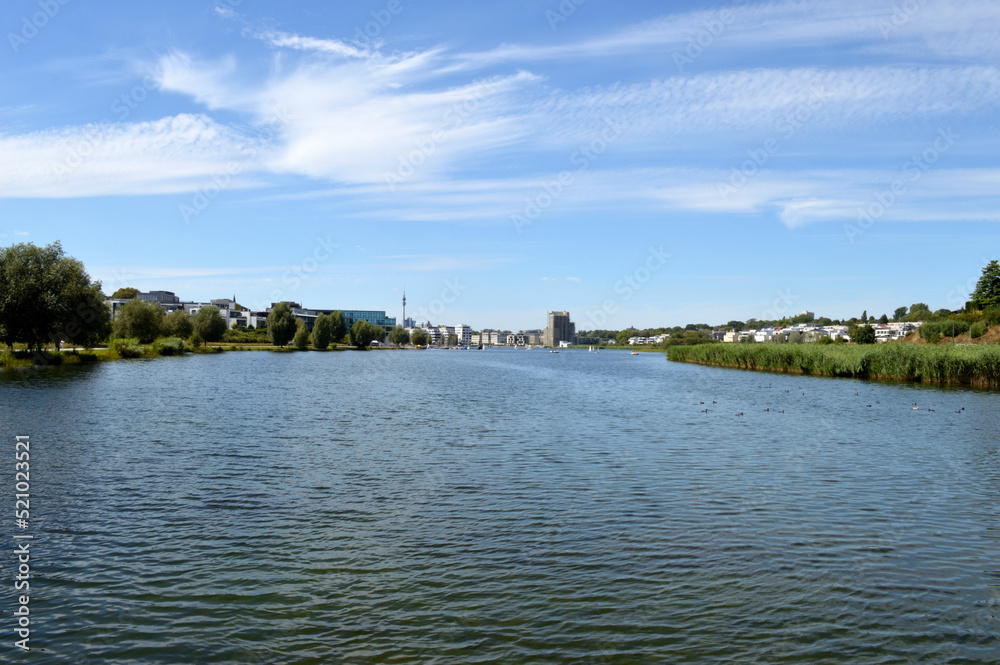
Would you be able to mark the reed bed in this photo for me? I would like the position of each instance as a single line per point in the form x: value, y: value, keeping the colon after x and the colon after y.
x: 944, y: 364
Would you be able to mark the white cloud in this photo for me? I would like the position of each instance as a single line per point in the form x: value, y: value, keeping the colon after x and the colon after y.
x: 174, y: 154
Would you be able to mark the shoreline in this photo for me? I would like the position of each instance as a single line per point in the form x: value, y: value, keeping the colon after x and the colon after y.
x: 975, y: 366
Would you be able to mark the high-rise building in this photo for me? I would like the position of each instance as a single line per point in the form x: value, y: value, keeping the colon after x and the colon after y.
x: 560, y: 329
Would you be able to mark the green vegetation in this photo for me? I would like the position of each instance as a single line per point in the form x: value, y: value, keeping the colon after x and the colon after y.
x: 322, y: 332
x: 301, y: 339
x: 125, y: 347
x: 177, y: 324
x: 125, y: 293
x: 209, y: 324
x: 139, y: 319
x: 970, y: 365
x: 364, y: 333
x: 46, y: 296
x: 398, y: 335
x: 418, y: 337
x: 281, y: 324
x: 168, y: 346
x: 338, y: 329
x: 987, y: 292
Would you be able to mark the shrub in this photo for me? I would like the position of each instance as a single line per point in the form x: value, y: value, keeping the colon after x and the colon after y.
x: 125, y: 347
x: 301, y: 339
x: 196, y: 341
x: 169, y: 346
x: 978, y: 329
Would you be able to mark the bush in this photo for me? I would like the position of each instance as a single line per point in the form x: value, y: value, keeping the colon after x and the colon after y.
x: 824, y: 340
x: 125, y: 347
x: 196, y: 341
x: 301, y: 339
x: 978, y: 329
x: 169, y: 346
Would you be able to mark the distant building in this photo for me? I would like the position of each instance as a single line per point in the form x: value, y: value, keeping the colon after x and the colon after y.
x: 560, y: 329
x: 464, y: 334
x: 167, y: 297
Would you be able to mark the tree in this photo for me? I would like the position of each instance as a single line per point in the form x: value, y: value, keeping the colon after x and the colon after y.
x: 301, y: 338
x: 884, y: 319
x: 177, y: 324
x: 337, y: 327
x: 735, y: 325
x: 138, y: 318
x: 398, y: 335
x: 987, y: 292
x: 281, y: 324
x: 919, y: 307
x: 363, y: 333
x: 452, y: 339
x: 48, y: 296
x: 209, y: 324
x: 125, y: 293
x: 899, y: 313
x: 418, y: 337
x: 321, y: 331
x: 863, y: 335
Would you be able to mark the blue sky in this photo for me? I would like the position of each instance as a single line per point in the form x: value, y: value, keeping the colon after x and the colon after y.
x: 636, y: 163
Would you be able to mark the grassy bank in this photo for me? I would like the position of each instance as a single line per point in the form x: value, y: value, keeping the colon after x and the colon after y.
x: 965, y: 365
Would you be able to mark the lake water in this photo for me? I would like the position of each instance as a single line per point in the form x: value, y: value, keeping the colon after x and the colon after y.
x: 499, y: 507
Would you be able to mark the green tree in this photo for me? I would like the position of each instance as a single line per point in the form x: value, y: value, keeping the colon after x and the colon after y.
x: 138, y: 318
x: 452, y: 339
x: 209, y: 324
x: 321, y: 331
x: 622, y: 337
x: 177, y: 324
x: 281, y: 324
x: 301, y: 338
x: 863, y: 335
x: 398, y: 335
x: 418, y: 337
x: 884, y: 319
x: 48, y: 296
x: 337, y: 327
x: 125, y: 293
x: 364, y: 333
x: 919, y: 307
x: 987, y: 292
x: 735, y: 325
x: 899, y: 313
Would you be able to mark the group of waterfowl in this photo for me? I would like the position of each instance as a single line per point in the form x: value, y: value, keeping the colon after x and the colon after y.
x: 768, y: 410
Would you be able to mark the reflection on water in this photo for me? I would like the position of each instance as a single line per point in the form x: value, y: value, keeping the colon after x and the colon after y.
x: 503, y: 506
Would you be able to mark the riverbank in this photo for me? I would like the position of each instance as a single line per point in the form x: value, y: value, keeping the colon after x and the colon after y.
x: 891, y: 361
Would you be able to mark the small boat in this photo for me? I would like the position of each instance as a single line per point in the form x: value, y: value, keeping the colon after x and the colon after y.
x: 634, y: 353
x: 553, y: 351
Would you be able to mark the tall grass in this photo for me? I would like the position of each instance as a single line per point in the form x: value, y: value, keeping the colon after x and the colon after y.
x: 970, y: 365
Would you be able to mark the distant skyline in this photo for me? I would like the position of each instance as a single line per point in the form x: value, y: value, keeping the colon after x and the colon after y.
x: 637, y: 164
